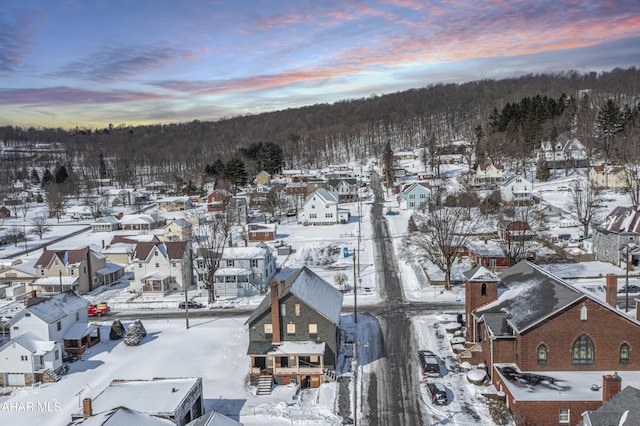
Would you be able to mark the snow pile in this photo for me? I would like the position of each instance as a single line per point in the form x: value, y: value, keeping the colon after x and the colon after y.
x: 476, y: 376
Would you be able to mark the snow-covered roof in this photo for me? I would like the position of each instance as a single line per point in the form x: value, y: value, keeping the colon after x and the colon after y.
x: 479, y: 274
x: 110, y: 268
x: 213, y: 418
x: 297, y: 348
x: 256, y: 252
x: 155, y: 396
x: 311, y: 289
x: 622, y: 409
x: 26, y: 267
x: 35, y: 345
x: 157, y: 275
x: 326, y: 196
x: 58, y: 306
x: 232, y: 271
x: 65, y: 281
x: 79, y: 330
x: 557, y: 385
x: 122, y: 416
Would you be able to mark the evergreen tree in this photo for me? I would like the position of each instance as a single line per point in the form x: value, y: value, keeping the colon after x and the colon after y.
x: 103, y: 167
x: 236, y: 173
x: 610, y: 121
x: 60, y: 174
x: 35, y: 178
x: 387, y: 158
x: 542, y: 172
x: 47, y: 177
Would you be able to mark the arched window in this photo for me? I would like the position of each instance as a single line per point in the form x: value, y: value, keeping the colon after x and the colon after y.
x: 582, y: 352
x: 542, y: 354
x: 583, y: 313
x: 483, y: 290
x: 624, y: 353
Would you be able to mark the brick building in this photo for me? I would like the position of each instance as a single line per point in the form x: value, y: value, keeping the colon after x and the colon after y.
x: 553, y: 350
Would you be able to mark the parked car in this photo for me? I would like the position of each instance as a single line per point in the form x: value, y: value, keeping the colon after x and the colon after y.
x: 632, y: 289
x: 392, y: 213
x: 98, y: 309
x: 190, y: 304
x: 429, y: 363
x: 438, y: 393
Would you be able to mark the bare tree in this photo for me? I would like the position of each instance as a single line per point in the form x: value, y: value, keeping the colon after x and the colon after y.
x: 586, y: 202
x: 340, y: 278
x: 276, y: 203
x: 517, y: 229
x: 441, y: 235
x: 25, y: 206
x: 210, y: 237
x: 57, y: 196
x: 39, y: 225
x: 15, y: 234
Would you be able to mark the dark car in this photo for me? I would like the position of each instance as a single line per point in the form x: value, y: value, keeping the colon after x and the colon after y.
x: 429, y: 363
x: 190, y: 304
x: 438, y: 393
x: 632, y: 289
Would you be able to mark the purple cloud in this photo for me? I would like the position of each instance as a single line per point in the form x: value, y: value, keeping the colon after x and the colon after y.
x: 116, y: 63
x: 71, y: 96
x: 14, y: 43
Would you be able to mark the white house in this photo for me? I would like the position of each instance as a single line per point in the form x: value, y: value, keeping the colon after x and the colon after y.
x: 244, y: 271
x: 564, y: 152
x: 39, y: 332
x: 487, y: 173
x: 516, y: 189
x: 105, y: 224
x: 159, y: 267
x: 321, y: 208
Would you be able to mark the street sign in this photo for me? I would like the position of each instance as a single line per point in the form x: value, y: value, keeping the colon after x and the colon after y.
x: 345, y: 252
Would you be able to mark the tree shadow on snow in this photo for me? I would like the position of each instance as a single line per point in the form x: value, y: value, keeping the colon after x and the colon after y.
x: 229, y: 407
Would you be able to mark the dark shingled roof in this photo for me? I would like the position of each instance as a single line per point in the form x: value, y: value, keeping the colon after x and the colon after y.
x: 260, y: 348
x: 613, y: 411
x: 531, y: 295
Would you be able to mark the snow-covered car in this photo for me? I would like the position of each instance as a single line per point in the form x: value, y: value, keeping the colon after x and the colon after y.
x: 190, y: 304
x: 429, y: 363
x: 632, y: 289
x: 437, y: 393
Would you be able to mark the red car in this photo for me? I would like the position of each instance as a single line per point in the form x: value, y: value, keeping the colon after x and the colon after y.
x: 98, y: 310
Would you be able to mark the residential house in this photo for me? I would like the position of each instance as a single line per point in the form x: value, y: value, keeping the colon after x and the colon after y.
x: 17, y: 278
x: 487, y: 175
x: 487, y: 253
x: 257, y: 232
x: 158, y: 187
x: 321, y: 208
x: 141, y: 222
x: 416, y: 196
x: 39, y: 332
x: 263, y: 178
x: 217, y: 200
x: 615, y: 178
x: 173, y: 204
x: 550, y: 213
x: 242, y: 271
x: 161, y: 267
x: 516, y: 190
x: 238, y: 210
x: 106, y: 224
x: 259, y: 196
x: 620, y: 229
x: 294, y: 332
x: 346, y: 188
x: 177, y: 230
x: 179, y: 399
x: 542, y: 339
x: 80, y: 270
x: 515, y: 230
x: 565, y: 152
x: 121, y: 247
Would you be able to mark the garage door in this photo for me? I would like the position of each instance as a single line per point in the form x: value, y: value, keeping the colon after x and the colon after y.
x: 15, y: 379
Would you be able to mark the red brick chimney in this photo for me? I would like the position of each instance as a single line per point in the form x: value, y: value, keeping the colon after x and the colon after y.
x: 281, y: 286
x: 637, y: 309
x: 611, y: 385
x: 611, y: 290
x: 275, y: 313
x: 87, y: 409
x: 34, y: 293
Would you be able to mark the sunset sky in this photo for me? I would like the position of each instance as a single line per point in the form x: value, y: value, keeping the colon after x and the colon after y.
x: 87, y: 63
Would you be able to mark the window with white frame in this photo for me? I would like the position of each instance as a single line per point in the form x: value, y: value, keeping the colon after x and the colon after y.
x: 563, y: 415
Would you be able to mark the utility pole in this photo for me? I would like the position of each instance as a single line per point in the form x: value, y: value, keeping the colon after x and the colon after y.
x: 626, y: 281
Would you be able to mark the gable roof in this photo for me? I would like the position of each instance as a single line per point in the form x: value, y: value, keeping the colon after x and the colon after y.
x: 67, y: 257
x: 58, y: 306
x: 170, y: 249
x: 311, y: 289
x: 480, y: 274
x: 327, y: 196
x: 531, y: 295
x: 417, y: 185
x: 622, y: 408
x: 623, y: 219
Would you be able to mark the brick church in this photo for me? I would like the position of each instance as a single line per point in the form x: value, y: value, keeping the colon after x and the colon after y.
x: 552, y: 349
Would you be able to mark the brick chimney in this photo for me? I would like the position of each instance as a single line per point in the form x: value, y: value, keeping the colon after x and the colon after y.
x: 611, y: 385
x: 611, y: 290
x: 275, y: 313
x: 281, y: 286
x: 637, y: 309
x: 87, y: 409
x: 34, y: 293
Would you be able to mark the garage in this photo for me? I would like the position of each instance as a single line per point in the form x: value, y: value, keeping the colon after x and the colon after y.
x: 14, y: 379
